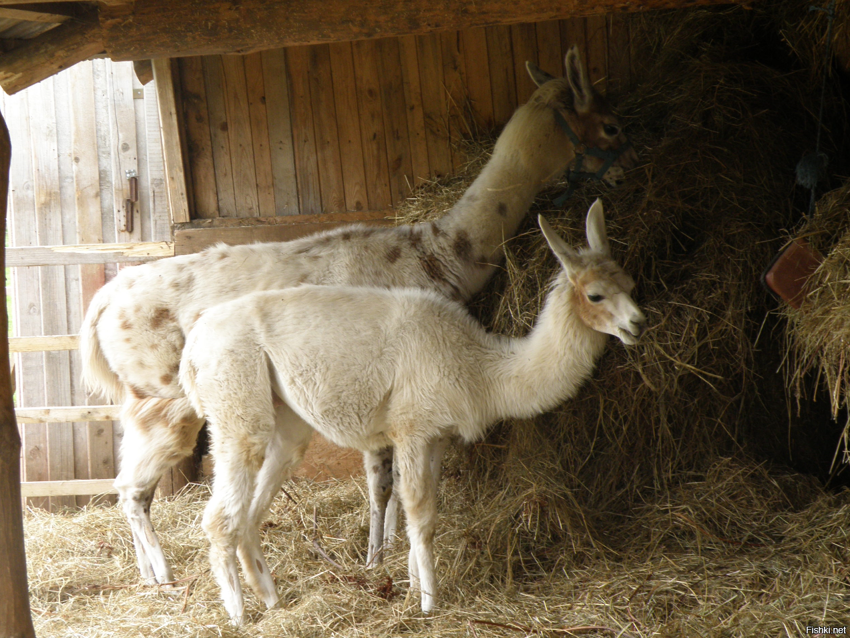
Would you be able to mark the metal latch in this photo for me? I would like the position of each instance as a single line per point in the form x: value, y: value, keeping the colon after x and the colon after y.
x: 125, y: 221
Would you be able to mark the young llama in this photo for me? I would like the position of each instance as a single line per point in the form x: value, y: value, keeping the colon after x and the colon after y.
x: 372, y: 367
x: 133, y: 333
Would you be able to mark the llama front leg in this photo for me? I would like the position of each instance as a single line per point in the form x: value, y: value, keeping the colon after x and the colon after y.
x: 438, y: 450
x: 284, y: 453
x: 226, y: 519
x: 416, y: 488
x: 379, y: 479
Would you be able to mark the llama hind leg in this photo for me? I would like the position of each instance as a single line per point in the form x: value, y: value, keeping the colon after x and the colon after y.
x: 157, y: 434
x: 416, y: 489
x: 379, y: 479
x: 284, y: 452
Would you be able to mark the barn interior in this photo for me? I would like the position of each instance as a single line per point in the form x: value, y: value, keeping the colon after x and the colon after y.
x: 696, y: 486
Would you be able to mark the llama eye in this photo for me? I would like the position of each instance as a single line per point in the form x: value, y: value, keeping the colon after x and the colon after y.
x: 595, y: 298
x: 610, y: 130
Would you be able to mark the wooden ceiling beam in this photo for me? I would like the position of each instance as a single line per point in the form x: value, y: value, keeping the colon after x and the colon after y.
x: 165, y: 28
x: 76, y: 40
x: 43, y: 12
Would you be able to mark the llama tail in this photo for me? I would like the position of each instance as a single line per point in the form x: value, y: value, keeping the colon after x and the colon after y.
x: 97, y: 375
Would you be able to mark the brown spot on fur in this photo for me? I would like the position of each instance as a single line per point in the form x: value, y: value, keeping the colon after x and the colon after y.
x: 161, y: 316
x: 376, y: 469
x: 137, y: 392
x: 462, y: 245
x: 166, y: 379
x: 259, y: 566
x: 433, y: 268
x: 415, y: 237
x: 346, y: 236
x: 435, y: 228
x: 393, y: 254
x: 222, y: 255
x: 502, y: 209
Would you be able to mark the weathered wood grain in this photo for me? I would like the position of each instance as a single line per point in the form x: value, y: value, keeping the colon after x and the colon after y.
x: 254, y: 25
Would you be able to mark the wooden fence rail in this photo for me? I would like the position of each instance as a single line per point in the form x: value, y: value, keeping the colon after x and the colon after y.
x: 88, y: 254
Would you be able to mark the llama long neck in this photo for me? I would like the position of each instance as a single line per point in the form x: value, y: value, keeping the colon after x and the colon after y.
x: 529, y: 154
x: 550, y: 364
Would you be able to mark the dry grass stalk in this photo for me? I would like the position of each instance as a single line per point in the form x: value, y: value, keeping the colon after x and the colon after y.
x: 734, y: 552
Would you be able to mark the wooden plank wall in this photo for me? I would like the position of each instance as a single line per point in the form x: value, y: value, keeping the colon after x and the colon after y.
x: 73, y: 136
x: 354, y: 125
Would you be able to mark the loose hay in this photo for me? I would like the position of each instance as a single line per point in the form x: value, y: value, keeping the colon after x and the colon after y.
x: 734, y: 552
x: 622, y: 510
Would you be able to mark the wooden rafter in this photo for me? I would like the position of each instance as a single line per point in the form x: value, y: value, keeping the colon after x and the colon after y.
x: 204, y: 27
x: 76, y: 40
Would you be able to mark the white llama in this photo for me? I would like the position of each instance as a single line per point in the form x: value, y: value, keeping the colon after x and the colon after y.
x: 133, y: 333
x: 372, y: 367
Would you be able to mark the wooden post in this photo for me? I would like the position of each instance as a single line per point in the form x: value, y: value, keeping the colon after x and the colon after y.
x: 15, y: 618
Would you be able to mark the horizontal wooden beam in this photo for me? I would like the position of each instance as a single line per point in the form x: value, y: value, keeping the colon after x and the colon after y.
x: 88, y: 254
x: 74, y: 414
x: 44, y: 12
x: 194, y: 236
x: 76, y: 40
x: 165, y: 28
x: 81, y: 487
x: 44, y: 344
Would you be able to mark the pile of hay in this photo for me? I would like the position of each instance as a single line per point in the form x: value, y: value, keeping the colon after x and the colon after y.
x: 720, y: 133
x: 729, y: 553
x: 818, y: 335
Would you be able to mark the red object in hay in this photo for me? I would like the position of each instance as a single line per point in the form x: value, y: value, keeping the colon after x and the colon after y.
x: 789, y: 273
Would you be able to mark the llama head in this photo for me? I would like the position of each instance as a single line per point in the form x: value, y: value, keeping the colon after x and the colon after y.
x: 601, y: 289
x: 587, y: 113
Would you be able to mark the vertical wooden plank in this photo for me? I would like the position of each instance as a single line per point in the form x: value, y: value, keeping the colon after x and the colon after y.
x: 325, y: 128
x: 574, y: 33
x: 372, y: 130
x: 143, y: 206
x: 73, y: 307
x: 260, y: 133
x: 306, y: 165
x: 348, y: 126
x: 214, y: 83
x: 104, y: 153
x: 550, y: 58
x: 98, y: 439
x: 27, y: 307
x: 454, y: 82
x: 502, y: 79
x: 199, y: 142
x: 158, y: 180
x: 434, y: 103
x: 280, y: 132
x: 239, y: 131
x: 415, y: 109
x: 54, y: 320
x: 524, y: 44
x: 123, y: 131
x: 395, y: 120
x: 86, y: 174
x: 597, y: 52
x: 619, y: 54
x: 478, y: 76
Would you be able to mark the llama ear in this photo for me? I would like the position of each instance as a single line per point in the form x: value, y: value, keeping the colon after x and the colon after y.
x: 597, y: 238
x: 538, y: 75
x: 565, y: 253
x: 582, y: 90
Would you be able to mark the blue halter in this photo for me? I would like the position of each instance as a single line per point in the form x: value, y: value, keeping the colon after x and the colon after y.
x: 576, y: 174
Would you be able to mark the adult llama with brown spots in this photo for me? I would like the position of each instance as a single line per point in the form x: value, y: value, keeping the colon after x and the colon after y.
x: 133, y: 333
x: 350, y: 363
